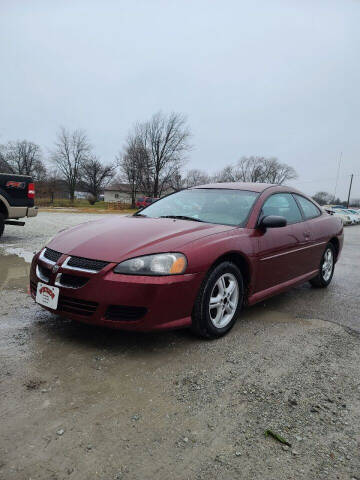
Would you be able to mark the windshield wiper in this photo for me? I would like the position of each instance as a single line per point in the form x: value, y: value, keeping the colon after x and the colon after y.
x: 182, y: 217
x: 139, y: 215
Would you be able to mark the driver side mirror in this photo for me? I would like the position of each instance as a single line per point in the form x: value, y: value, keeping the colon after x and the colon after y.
x: 272, y: 221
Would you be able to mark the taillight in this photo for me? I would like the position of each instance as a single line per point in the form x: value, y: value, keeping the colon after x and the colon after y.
x: 31, y: 190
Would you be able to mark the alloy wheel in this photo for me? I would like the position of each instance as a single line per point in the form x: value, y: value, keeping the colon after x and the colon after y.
x: 328, y: 264
x: 224, y: 300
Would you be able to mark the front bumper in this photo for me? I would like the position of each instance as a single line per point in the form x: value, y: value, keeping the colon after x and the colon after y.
x: 149, y: 303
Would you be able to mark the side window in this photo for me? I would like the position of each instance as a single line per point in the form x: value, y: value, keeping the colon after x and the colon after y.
x: 283, y: 205
x: 310, y: 210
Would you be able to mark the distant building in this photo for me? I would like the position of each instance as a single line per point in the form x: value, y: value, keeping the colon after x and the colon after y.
x: 121, y: 192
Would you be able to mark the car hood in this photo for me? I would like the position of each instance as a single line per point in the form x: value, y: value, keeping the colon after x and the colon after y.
x: 115, y: 238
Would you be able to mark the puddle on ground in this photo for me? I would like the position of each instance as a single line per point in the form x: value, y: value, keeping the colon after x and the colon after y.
x: 20, y: 252
x: 14, y: 272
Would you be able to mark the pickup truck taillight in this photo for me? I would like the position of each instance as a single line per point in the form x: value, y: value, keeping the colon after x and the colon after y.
x: 31, y: 190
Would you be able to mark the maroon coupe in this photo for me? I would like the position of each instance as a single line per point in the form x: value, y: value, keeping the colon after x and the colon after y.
x: 192, y: 259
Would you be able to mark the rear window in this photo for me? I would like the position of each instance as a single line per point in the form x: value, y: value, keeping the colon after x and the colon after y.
x: 310, y: 209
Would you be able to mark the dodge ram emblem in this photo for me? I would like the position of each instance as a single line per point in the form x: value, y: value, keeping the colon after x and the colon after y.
x: 55, y: 268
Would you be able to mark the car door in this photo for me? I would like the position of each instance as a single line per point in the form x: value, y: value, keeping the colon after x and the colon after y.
x: 314, y: 228
x: 281, y: 251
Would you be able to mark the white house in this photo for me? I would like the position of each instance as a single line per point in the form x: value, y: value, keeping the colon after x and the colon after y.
x: 119, y: 192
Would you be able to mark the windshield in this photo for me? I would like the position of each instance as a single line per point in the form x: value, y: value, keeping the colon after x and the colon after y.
x: 226, y: 207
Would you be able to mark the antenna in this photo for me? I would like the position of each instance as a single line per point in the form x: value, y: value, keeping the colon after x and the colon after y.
x: 337, y: 176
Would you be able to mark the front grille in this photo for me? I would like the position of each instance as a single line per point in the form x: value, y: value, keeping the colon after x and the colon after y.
x: 124, y: 312
x: 79, y: 307
x: 52, y: 255
x: 71, y: 281
x: 86, y: 263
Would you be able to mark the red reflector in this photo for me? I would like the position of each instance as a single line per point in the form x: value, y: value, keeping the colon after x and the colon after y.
x: 31, y: 190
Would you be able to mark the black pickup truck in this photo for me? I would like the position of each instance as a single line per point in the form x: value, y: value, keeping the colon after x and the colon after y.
x: 17, y: 193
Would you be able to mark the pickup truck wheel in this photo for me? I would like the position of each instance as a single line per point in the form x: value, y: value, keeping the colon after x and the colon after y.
x: 219, y: 301
x: 2, y: 223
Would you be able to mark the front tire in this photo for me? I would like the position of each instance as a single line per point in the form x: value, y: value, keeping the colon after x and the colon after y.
x: 2, y: 224
x: 326, y: 269
x: 219, y: 301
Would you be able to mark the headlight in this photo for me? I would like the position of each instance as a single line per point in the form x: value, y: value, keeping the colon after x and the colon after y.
x: 159, y: 264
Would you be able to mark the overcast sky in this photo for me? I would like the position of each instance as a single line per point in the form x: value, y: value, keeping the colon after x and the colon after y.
x: 257, y: 77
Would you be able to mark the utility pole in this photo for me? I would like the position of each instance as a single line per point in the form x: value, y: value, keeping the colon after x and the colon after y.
x: 351, y: 180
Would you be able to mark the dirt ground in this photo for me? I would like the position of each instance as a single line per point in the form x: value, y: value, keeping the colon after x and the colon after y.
x: 78, y: 402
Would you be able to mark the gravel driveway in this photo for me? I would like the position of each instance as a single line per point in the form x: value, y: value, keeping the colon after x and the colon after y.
x: 78, y: 402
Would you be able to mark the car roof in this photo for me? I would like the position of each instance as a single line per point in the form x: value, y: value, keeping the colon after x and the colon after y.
x: 252, y: 187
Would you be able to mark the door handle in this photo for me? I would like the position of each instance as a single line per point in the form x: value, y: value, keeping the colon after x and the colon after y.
x: 307, y: 235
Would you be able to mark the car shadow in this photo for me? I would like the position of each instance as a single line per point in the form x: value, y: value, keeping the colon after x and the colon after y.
x: 71, y: 332
x: 9, y: 238
x: 59, y: 329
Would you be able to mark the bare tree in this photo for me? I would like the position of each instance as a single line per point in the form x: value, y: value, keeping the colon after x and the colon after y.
x: 39, y: 172
x: 134, y: 166
x: 163, y: 143
x: 257, y: 169
x: 325, y: 198
x: 168, y: 138
x: 95, y: 176
x: 196, y: 177
x: 51, y: 184
x: 177, y: 181
x: 4, y: 166
x: 227, y: 174
x: 192, y: 178
x: 251, y: 169
x: 24, y: 158
x: 71, y: 151
x: 278, y: 173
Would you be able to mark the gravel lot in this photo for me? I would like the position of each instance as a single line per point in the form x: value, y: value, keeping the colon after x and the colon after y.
x: 78, y: 402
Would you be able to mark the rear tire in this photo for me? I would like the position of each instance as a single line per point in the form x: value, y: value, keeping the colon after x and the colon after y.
x: 219, y: 301
x: 326, y: 268
x: 2, y: 223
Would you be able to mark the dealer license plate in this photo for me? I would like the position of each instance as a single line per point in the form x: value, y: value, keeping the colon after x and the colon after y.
x: 47, y: 295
